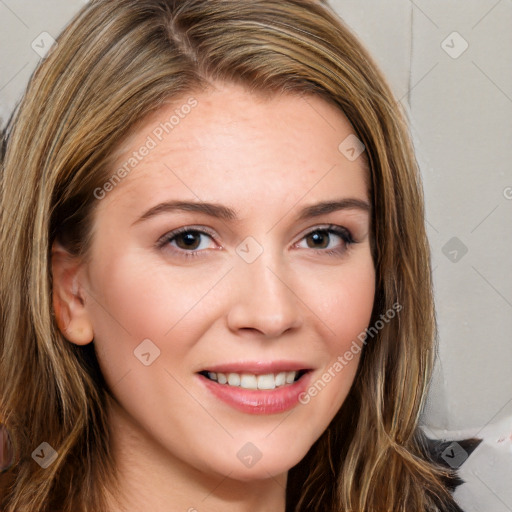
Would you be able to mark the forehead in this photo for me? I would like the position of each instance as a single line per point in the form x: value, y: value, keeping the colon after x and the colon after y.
x: 231, y: 144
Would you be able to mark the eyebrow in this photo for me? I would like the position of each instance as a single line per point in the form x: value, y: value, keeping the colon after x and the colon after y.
x: 228, y: 214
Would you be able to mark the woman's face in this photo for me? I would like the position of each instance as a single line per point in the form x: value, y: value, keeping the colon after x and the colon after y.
x: 262, y: 286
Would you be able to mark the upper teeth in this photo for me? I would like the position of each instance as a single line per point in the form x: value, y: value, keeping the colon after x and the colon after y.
x: 251, y: 381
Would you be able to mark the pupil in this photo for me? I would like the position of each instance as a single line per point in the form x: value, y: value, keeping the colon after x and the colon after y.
x: 189, y: 239
x: 318, y: 236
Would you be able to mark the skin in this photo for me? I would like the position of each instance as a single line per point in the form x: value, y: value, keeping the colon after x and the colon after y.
x: 175, y: 443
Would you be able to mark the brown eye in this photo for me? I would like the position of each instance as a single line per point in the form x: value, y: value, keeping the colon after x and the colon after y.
x: 185, y: 242
x: 189, y: 240
x: 320, y: 238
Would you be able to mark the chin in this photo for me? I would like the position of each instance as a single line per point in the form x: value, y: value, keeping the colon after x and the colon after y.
x: 249, y: 463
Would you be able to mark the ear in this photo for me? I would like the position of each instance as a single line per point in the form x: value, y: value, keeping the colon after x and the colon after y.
x: 69, y: 304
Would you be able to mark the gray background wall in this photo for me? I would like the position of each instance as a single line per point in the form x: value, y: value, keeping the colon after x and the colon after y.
x: 449, y: 63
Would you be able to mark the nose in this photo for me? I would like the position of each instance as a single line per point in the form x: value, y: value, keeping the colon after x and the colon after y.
x: 262, y: 299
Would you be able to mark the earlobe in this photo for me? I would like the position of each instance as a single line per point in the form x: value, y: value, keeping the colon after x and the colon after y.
x: 71, y: 313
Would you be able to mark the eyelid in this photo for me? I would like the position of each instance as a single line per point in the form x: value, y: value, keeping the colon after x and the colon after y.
x: 185, y: 229
x: 341, y: 231
x: 328, y: 227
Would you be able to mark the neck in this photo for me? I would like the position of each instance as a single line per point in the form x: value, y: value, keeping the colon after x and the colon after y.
x: 151, y: 478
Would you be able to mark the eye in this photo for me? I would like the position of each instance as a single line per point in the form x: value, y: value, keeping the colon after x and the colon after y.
x: 322, y: 237
x: 187, y: 240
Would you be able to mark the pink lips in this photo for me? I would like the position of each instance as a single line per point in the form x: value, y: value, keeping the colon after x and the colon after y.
x: 250, y: 401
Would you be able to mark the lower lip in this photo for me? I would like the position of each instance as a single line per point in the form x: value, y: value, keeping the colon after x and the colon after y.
x: 272, y: 401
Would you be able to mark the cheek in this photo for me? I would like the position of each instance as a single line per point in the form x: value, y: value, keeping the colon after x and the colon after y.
x: 132, y: 303
x: 345, y: 308
x: 145, y: 299
x: 347, y: 304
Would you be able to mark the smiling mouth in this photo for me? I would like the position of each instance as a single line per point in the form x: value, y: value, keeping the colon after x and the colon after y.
x: 267, y: 381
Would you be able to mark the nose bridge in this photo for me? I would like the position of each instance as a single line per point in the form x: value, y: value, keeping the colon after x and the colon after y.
x: 264, y: 300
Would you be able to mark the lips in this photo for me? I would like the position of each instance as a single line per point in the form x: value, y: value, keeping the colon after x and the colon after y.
x: 257, y: 387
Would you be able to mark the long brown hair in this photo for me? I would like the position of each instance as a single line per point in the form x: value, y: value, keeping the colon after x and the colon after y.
x: 117, y: 61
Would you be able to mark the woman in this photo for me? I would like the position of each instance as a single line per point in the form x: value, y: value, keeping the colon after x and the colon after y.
x: 258, y: 371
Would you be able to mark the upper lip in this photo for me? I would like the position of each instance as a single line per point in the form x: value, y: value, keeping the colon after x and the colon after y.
x: 258, y: 367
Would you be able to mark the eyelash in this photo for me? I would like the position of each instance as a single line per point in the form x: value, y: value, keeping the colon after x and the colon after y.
x: 340, y: 231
